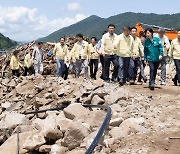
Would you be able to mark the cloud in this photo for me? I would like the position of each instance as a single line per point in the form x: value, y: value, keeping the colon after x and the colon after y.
x: 22, y: 23
x: 73, y: 6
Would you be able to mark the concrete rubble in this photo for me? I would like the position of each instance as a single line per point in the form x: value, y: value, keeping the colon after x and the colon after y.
x: 136, y: 112
x: 141, y: 122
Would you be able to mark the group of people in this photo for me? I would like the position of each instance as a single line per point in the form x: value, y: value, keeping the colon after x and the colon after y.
x: 33, y: 61
x: 126, y: 52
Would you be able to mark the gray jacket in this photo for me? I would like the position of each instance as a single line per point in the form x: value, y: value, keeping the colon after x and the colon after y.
x: 37, y: 56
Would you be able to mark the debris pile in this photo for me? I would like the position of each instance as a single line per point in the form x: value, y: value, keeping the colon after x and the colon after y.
x: 49, y: 63
x: 139, y: 117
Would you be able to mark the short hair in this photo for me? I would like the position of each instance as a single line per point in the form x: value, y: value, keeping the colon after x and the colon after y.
x: 79, y: 35
x: 133, y: 28
x: 150, y: 30
x: 40, y: 43
x: 127, y: 27
x: 161, y: 30
x: 94, y: 38
x: 16, y: 51
x: 178, y: 30
x: 111, y: 25
x: 62, y: 38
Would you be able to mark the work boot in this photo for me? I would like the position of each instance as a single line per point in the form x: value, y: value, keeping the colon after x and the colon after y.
x: 121, y: 82
x: 151, y: 87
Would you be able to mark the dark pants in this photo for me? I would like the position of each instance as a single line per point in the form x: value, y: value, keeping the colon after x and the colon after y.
x: 102, y: 63
x: 177, y: 64
x: 107, y: 60
x: 29, y: 70
x: 153, y: 72
x: 65, y: 72
x: 123, y: 68
x: 133, y: 68
x: 15, y: 73
x: 93, y: 67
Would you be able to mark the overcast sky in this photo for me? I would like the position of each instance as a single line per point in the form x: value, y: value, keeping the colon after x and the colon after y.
x: 24, y: 20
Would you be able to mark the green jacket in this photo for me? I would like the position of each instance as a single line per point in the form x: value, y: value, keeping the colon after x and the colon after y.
x: 152, y: 49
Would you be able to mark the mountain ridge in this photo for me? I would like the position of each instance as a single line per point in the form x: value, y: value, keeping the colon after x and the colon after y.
x: 95, y: 25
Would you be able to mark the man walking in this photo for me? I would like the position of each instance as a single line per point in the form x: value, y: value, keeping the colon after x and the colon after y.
x: 81, y: 55
x: 175, y: 54
x: 94, y: 58
x: 138, y: 55
x: 98, y: 46
x: 60, y: 52
x: 28, y: 66
x: 109, y: 53
x: 124, y: 45
x: 166, y: 45
x: 37, y: 58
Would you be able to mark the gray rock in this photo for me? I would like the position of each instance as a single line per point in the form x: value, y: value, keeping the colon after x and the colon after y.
x: 75, y: 111
x: 96, y: 100
x: 74, y: 135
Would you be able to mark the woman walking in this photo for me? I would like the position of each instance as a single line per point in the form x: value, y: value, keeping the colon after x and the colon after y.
x: 153, y: 53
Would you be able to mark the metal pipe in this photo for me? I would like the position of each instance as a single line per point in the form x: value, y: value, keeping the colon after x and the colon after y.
x: 18, y: 147
x: 102, y: 128
x: 42, y: 111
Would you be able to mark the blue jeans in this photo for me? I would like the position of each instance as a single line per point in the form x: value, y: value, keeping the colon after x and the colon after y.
x: 133, y: 68
x: 60, y: 67
x: 123, y: 68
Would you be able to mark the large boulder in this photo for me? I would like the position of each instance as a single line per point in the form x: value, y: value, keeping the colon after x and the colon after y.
x: 74, y: 135
x: 75, y: 111
x: 34, y: 141
x: 10, y: 145
x: 13, y: 119
x: 44, y: 124
x: 25, y: 88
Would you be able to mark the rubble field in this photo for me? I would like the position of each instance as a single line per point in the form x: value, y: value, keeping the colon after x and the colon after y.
x: 142, y: 121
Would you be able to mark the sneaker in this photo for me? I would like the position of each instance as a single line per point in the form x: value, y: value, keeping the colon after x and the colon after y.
x: 163, y: 83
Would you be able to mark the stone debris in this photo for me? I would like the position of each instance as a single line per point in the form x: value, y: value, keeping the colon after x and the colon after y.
x: 137, y: 115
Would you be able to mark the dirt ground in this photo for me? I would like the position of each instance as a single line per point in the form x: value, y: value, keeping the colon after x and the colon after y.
x: 165, y: 140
